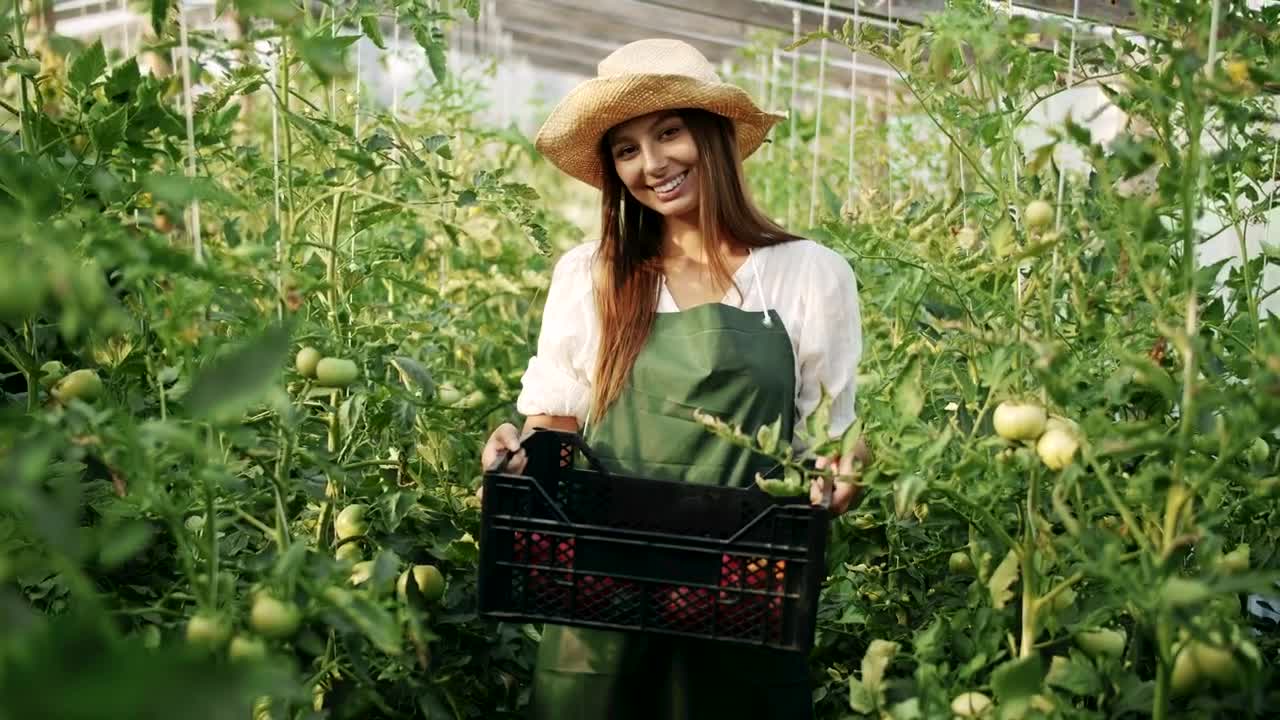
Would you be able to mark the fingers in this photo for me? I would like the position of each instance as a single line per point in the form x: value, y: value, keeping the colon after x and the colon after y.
x: 509, y: 436
x: 517, y: 462
x: 815, y: 491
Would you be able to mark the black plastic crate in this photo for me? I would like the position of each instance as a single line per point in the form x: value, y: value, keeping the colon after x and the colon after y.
x: 583, y: 547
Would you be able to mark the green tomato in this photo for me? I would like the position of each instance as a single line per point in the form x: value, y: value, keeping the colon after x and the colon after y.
x: 207, y: 631
x: 448, y: 394
x: 51, y: 372
x: 1258, y: 452
x: 336, y: 372
x: 1103, y: 642
x: 1180, y: 592
x: 970, y: 704
x: 1197, y: 663
x: 350, y: 522
x: 306, y: 361
x: 429, y: 580
x: 1064, y: 599
x: 1038, y: 215
x: 1019, y: 421
x: 960, y: 563
x: 474, y: 399
x: 349, y: 552
x: 81, y: 384
x: 274, y: 618
x: 245, y: 648
x: 1235, y: 561
x: 1057, y: 448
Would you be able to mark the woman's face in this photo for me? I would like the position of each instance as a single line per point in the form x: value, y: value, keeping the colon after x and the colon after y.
x: 656, y: 159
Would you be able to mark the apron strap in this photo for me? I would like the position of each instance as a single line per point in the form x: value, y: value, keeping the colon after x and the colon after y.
x: 764, y: 303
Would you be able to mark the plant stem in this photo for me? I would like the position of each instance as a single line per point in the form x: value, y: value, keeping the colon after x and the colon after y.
x: 335, y: 293
x: 20, y: 29
x: 1030, y: 582
x: 211, y: 533
x: 1164, y: 666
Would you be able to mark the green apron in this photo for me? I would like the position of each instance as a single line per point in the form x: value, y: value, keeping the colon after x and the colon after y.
x: 736, y: 365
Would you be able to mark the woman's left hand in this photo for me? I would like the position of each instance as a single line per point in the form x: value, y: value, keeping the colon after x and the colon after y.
x: 848, y: 492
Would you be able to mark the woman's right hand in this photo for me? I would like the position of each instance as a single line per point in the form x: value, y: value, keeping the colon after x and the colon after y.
x: 505, y: 438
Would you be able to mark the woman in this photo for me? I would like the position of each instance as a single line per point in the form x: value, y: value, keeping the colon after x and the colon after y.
x: 692, y: 299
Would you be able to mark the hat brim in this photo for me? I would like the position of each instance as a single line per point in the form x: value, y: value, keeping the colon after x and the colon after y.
x: 570, y: 137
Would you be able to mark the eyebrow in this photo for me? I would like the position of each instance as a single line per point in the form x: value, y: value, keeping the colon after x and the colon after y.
x: 615, y: 139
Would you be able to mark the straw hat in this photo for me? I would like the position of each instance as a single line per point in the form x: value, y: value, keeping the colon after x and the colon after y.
x: 637, y: 79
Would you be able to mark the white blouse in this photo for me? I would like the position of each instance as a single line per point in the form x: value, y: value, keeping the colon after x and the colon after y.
x: 812, y: 289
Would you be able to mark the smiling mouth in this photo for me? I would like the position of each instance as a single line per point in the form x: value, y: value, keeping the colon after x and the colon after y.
x: 672, y: 184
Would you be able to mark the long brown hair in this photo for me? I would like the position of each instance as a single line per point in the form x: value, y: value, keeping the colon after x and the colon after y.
x: 629, y: 259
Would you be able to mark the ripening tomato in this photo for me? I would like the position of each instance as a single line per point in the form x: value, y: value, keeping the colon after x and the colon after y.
x: 336, y: 372
x: 1015, y: 420
x: 274, y: 618
x: 1038, y: 215
x: 306, y: 361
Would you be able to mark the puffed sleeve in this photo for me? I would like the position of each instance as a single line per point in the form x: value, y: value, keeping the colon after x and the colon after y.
x: 558, y: 379
x: 830, y: 343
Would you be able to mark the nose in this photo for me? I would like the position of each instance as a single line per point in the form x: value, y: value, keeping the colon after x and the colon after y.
x: 655, y: 162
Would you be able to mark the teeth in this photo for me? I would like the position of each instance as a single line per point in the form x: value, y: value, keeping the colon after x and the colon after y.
x: 673, y: 184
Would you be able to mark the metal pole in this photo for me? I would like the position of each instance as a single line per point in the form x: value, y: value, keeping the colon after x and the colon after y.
x: 193, y: 218
x: 853, y: 106
x: 1071, y: 78
x: 791, y: 138
x: 775, y: 63
x: 817, y: 134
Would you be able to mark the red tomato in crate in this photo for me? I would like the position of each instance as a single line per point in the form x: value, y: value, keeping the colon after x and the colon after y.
x: 689, y: 609
x: 534, y: 550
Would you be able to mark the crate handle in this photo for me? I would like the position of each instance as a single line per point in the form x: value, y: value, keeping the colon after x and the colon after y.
x: 579, y: 444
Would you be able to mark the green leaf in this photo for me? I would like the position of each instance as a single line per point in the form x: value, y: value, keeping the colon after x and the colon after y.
x: 908, y: 393
x: 122, y: 543
x: 1017, y: 680
x: 876, y: 660
x: 1002, y: 579
x: 124, y: 81
x: 861, y: 699
x: 181, y: 191
x: 472, y: 7
x: 907, y: 710
x: 370, y: 618
x: 905, y: 494
x: 866, y: 694
x: 282, y: 11
x: 229, y: 385
x: 292, y: 560
x: 159, y: 15
x: 438, y: 144
x: 325, y: 54
x: 372, y: 30
x: 398, y: 505
x: 432, y: 40
x: 1074, y: 674
x: 413, y: 374
x: 462, y: 551
x: 87, y: 67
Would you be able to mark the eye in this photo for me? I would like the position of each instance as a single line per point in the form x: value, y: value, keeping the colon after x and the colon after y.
x: 624, y: 151
x: 670, y: 132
